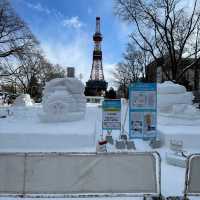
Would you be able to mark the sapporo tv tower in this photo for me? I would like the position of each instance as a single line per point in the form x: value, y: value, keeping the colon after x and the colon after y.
x: 96, y: 85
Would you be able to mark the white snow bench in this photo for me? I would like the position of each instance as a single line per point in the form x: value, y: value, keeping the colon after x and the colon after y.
x: 80, y: 174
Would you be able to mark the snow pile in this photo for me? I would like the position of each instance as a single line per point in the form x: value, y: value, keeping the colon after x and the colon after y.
x: 63, y: 100
x: 23, y: 100
x: 175, y: 103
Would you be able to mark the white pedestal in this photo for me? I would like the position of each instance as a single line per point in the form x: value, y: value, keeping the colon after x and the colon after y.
x: 30, y: 135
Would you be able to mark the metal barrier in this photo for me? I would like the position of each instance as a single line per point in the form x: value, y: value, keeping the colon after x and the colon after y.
x: 192, y: 177
x: 80, y: 174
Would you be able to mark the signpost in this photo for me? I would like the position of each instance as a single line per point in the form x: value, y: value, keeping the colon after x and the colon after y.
x: 142, y: 110
x: 111, y: 115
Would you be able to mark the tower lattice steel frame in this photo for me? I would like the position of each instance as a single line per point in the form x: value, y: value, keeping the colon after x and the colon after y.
x: 96, y: 85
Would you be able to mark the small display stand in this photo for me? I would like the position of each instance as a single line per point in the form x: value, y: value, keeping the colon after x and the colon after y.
x: 111, y: 119
x: 111, y: 122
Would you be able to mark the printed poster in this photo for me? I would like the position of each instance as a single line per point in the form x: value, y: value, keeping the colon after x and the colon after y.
x: 142, y: 110
x: 111, y: 114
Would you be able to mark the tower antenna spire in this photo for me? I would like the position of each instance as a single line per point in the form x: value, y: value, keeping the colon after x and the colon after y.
x: 97, y: 24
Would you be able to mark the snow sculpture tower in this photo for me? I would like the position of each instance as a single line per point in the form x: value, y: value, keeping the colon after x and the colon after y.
x: 96, y: 85
x: 63, y: 100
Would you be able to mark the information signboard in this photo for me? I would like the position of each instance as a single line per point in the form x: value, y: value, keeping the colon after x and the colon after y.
x: 142, y: 110
x: 111, y: 114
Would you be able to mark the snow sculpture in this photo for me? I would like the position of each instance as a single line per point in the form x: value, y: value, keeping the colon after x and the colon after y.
x: 172, y: 97
x: 23, y: 100
x: 175, y: 105
x: 63, y: 100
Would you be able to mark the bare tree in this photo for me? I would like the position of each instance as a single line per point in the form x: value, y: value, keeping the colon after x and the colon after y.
x: 132, y: 68
x: 15, y: 37
x: 166, y: 28
x: 21, y: 60
x: 32, y: 68
x: 23, y: 68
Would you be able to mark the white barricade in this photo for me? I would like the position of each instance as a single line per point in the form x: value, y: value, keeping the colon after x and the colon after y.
x: 75, y: 174
x: 192, y: 179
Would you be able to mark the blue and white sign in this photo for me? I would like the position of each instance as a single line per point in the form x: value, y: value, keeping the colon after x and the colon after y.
x: 142, y: 110
x: 111, y: 114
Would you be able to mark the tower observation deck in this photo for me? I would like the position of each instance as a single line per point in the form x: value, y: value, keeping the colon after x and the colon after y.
x: 96, y: 85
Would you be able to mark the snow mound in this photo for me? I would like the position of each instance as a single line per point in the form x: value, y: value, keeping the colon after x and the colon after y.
x: 23, y: 100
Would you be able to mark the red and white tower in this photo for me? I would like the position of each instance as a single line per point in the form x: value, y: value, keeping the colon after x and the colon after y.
x: 97, y: 68
x: 96, y: 85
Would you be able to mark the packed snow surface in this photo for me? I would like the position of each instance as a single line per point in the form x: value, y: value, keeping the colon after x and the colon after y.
x: 172, y: 177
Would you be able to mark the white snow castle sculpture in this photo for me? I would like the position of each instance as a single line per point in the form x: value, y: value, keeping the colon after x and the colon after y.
x: 63, y: 100
x: 175, y: 105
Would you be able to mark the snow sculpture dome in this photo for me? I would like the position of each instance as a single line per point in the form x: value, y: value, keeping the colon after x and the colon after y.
x: 63, y: 100
x: 23, y: 100
x: 175, y: 105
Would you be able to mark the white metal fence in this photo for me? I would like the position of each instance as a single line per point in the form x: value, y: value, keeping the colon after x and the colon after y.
x: 72, y: 174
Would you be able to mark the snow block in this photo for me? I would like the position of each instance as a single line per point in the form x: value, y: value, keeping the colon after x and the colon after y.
x: 29, y: 135
x: 176, y: 160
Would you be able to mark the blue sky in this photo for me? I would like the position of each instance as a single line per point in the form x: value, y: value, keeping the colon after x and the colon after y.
x: 65, y: 28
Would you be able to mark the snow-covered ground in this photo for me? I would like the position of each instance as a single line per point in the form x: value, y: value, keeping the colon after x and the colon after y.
x: 25, y: 121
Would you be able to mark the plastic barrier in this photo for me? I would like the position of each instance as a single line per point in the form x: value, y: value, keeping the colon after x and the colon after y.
x: 192, y: 178
x: 80, y: 174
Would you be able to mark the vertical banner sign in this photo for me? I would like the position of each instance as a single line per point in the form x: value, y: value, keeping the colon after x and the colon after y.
x: 142, y: 110
x: 111, y: 114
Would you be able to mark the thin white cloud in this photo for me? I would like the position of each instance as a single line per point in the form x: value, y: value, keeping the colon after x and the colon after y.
x: 75, y: 54
x: 108, y: 73
x: 38, y: 7
x: 73, y: 22
x: 124, y: 30
x: 58, y: 15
